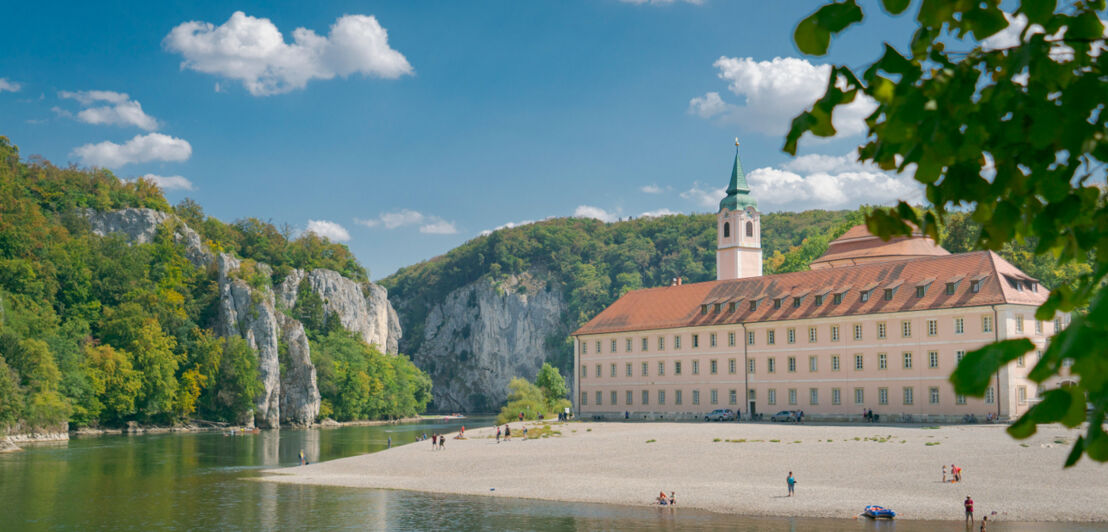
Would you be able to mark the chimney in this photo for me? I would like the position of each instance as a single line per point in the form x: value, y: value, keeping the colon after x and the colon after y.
x: 678, y: 281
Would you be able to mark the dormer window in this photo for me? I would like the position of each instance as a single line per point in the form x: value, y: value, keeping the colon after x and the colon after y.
x: 950, y: 288
x: 819, y: 300
x: 703, y: 309
x: 753, y: 305
x: 837, y: 298
x: 889, y: 294
x: 777, y: 302
x: 796, y: 302
x: 1032, y: 285
x: 865, y: 295
x: 717, y: 308
x: 975, y: 286
x: 921, y: 291
x: 731, y: 307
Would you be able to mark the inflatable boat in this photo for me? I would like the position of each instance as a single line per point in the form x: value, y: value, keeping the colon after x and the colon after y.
x: 878, y: 512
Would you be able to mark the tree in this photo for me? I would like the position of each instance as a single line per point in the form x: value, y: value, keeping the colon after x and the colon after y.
x: 1014, y: 134
x: 11, y: 397
x: 239, y: 381
x: 114, y: 380
x: 522, y: 397
x: 155, y: 360
x: 45, y: 405
x: 550, y: 381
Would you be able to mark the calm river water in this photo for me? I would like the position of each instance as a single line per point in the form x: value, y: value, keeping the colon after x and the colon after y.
x: 201, y: 482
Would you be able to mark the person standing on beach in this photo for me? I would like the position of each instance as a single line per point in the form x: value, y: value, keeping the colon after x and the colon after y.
x: 442, y: 443
x: 434, y: 441
x: 498, y: 440
x: 301, y: 456
x: 969, y: 509
x: 791, y: 481
x: 507, y: 432
x: 672, y: 498
x: 944, y: 473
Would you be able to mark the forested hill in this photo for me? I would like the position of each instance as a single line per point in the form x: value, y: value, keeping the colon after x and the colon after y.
x: 101, y: 330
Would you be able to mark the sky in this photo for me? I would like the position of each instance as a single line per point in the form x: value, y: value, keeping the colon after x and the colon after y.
x: 404, y: 129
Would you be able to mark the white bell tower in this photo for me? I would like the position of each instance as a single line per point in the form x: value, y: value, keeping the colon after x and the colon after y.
x: 739, y: 229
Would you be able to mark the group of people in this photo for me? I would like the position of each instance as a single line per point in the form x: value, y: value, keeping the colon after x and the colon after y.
x: 955, y: 473
x: 438, y: 442
x: 667, y: 501
x: 868, y: 415
x: 507, y: 432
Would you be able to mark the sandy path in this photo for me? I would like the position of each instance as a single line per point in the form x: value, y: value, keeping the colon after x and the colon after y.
x: 837, y: 474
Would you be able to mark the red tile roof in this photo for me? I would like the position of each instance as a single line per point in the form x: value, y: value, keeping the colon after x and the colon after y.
x: 680, y: 306
x: 858, y: 246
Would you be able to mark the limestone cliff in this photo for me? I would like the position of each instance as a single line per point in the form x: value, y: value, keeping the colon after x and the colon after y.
x: 299, y: 391
x: 361, y: 309
x: 485, y: 333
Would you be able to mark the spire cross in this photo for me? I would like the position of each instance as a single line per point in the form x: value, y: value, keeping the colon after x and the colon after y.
x: 736, y: 142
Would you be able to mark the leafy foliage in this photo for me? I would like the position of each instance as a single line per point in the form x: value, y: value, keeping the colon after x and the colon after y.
x: 357, y: 381
x: 533, y: 400
x: 1016, y: 136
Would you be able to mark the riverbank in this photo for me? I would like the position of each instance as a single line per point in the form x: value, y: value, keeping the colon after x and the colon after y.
x: 740, y: 468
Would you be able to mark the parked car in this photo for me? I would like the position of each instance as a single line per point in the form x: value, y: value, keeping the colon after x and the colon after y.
x: 720, y: 414
x: 784, y: 415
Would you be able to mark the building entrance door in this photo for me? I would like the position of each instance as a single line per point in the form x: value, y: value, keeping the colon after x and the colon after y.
x: 750, y: 409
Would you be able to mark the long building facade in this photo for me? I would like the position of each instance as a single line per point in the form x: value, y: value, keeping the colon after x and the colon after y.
x: 873, y: 325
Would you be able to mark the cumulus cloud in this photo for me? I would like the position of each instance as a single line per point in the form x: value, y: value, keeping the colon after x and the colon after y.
x: 171, y: 182
x: 10, y: 86
x: 588, y: 211
x: 253, y: 51
x: 658, y: 213
x: 120, y: 111
x: 329, y: 230
x: 829, y: 182
x: 703, y: 195
x: 140, y: 149
x: 428, y: 224
x: 775, y: 91
x: 652, y: 189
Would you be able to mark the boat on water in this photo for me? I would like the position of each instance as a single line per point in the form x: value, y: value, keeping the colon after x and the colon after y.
x: 878, y: 512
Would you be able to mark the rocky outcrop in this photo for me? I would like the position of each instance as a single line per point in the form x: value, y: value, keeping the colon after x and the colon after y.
x: 250, y: 314
x: 141, y: 226
x: 361, y: 309
x: 484, y: 334
x: 299, y: 391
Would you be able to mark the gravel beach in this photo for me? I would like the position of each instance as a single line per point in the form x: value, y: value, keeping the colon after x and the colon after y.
x: 740, y: 468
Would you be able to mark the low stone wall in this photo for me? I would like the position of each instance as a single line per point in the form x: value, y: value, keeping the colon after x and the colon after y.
x: 821, y: 418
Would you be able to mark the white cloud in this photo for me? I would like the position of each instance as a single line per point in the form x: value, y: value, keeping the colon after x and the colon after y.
x: 121, y: 111
x: 661, y: 2
x: 652, y: 189
x: 171, y: 182
x: 428, y: 224
x: 774, y: 92
x: 253, y: 51
x: 510, y: 225
x: 8, y: 85
x: 829, y: 182
x: 140, y: 149
x: 658, y: 213
x: 329, y: 230
x: 704, y: 196
x: 439, y: 227
x: 588, y: 211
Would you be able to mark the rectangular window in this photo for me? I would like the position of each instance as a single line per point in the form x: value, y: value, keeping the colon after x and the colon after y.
x: 677, y: 342
x: 837, y: 298
x: 909, y: 395
x: 813, y: 363
x: 950, y: 289
x: 959, y: 325
x: 714, y: 397
x: 834, y: 362
x: 612, y: 373
x: 750, y: 338
x: 696, y: 397
x: 645, y: 345
x: 712, y: 340
x: 813, y: 396
x: 905, y: 329
x: 677, y: 397
x: 614, y: 396
x: 753, y: 305
x: 598, y: 370
x: 628, y: 397
x: 792, y: 396
x: 661, y: 397
x: 857, y: 331
x: 627, y: 369
x: 792, y: 364
x: 933, y: 395
x: 834, y: 333
x: 771, y: 337
x: 584, y: 371
x: 750, y: 394
x: 882, y: 361
x: 960, y: 399
x: 771, y: 365
x: 882, y: 396
x: 865, y: 296
x: 612, y: 344
x: 771, y: 396
x: 796, y: 302
x: 777, y: 303
x: 644, y: 369
x: 1019, y: 323
x: 731, y: 367
x: 958, y: 356
x: 584, y: 348
x: 1021, y: 394
x: 975, y: 286
x: 598, y: 347
x: 889, y: 294
x: 627, y: 345
x: 858, y: 362
x: 676, y: 368
x: 986, y: 324
x: 932, y: 327
x: 584, y: 398
x: 733, y: 397
x: 1057, y: 325
x: 661, y: 343
x: 1021, y: 361
x: 599, y: 396
x: 731, y: 338
x: 932, y: 359
x: 645, y: 397
x: 1038, y: 327
x: 661, y: 369
x: 750, y: 366
x: 881, y: 331
x: 713, y: 367
x: 792, y: 335
x: 907, y: 360
x: 859, y: 396
x: 696, y: 367
x: 811, y: 335
x: 836, y: 396
x: 819, y: 300
x: 695, y: 341
x: 921, y: 291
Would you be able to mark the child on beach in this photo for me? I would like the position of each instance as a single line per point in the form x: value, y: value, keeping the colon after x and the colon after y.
x: 498, y: 438
x: 672, y: 498
x: 662, y: 499
x: 791, y: 482
x: 944, y: 473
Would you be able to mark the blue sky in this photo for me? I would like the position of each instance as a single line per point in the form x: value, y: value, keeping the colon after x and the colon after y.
x: 471, y: 116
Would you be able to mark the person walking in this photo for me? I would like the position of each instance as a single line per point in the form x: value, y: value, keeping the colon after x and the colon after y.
x: 498, y: 439
x: 301, y: 456
x: 944, y: 473
x: 390, y: 443
x: 442, y: 443
x: 507, y: 432
x: 969, y: 509
x: 791, y: 481
x: 434, y: 441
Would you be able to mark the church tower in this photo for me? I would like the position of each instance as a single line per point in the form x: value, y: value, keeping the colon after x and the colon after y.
x: 739, y: 240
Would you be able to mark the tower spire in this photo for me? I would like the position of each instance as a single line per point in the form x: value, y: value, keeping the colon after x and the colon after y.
x: 738, y: 191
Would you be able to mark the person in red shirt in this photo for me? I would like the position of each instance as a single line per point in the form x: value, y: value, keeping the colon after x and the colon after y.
x: 969, y: 509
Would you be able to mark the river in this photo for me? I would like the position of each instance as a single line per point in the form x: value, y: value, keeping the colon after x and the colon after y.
x: 202, y: 481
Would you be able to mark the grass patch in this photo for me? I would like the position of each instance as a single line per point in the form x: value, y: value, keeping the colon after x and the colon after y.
x: 930, y: 443
x: 716, y: 440
x: 740, y: 440
x: 934, y: 427
x: 797, y: 441
x: 543, y: 431
x: 652, y: 440
x: 903, y: 441
x: 588, y: 430
x: 1061, y: 442
x: 857, y: 438
x: 775, y: 441
x: 1024, y: 445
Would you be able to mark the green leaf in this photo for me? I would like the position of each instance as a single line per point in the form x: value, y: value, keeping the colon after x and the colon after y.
x: 1075, y: 454
x: 975, y: 372
x: 1024, y: 427
x: 1085, y: 26
x: 1038, y: 11
x: 895, y: 7
x: 1075, y: 414
x: 984, y: 22
x: 810, y: 37
x: 837, y: 17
